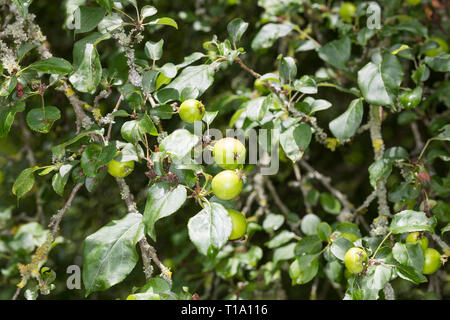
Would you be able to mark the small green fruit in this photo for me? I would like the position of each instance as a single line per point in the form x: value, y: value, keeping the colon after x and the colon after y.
x: 443, y: 47
x: 226, y: 185
x: 413, y: 2
x: 346, y: 11
x: 432, y: 261
x: 417, y: 237
x: 229, y: 153
x: 260, y: 87
x: 239, y: 224
x: 192, y: 110
x: 120, y: 169
x: 355, y: 260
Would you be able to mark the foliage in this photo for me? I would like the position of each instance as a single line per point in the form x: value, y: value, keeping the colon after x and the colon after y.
x: 357, y: 116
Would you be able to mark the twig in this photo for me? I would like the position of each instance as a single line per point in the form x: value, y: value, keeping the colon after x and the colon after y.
x: 378, y: 148
x: 417, y: 138
x: 16, y: 294
x: 82, y: 121
x: 115, y: 109
x: 441, y: 243
x: 56, y: 219
x: 276, y: 198
x: 347, y: 211
x: 301, y: 185
x: 32, y: 160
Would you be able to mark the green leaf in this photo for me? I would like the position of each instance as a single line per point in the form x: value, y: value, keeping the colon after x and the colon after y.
x: 280, y: 239
x: 134, y: 130
x: 257, y: 108
x: 154, y: 50
x: 330, y: 204
x: 380, y: 170
x: 108, y: 4
x: 379, y: 82
x: 377, y: 276
x: 337, y: 52
x: 309, y: 224
x: 445, y: 229
x: 409, y: 221
x: 200, y: 77
x: 149, y: 80
x: 269, y: 33
x: 80, y: 46
x: 286, y: 252
x: 60, y: 178
x: 209, y: 116
x: 166, y: 21
x: 308, y: 245
x: 396, y: 154
x: 8, y: 86
x: 23, y: 5
x: 409, y: 254
x: 295, y: 139
x: 236, y: 29
x: 88, y: 75
x: 210, y: 228
x: 42, y: 119
x: 339, y: 247
x: 87, y: 18
x: 440, y: 62
x: 324, y: 231
x: 410, y: 274
x: 345, y: 126
x: 162, y: 201
x: 109, y: 254
x: 179, y: 143
x: 24, y: 183
x: 288, y: 69
x: 52, y: 66
x: 94, y: 156
x: 444, y: 133
x: 307, y: 84
x: 166, y: 95
x: 273, y: 222
x: 304, y: 269
x: 148, y: 11
x: 7, y: 115
x: 109, y: 23
x: 164, y: 111
x: 59, y: 150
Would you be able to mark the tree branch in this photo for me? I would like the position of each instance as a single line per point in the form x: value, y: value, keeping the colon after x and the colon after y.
x: 378, y: 148
x: 56, y: 219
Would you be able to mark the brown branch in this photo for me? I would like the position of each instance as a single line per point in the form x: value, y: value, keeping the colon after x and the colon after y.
x: 378, y: 149
x: 56, y: 219
x: 326, y: 182
x: 115, y: 109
